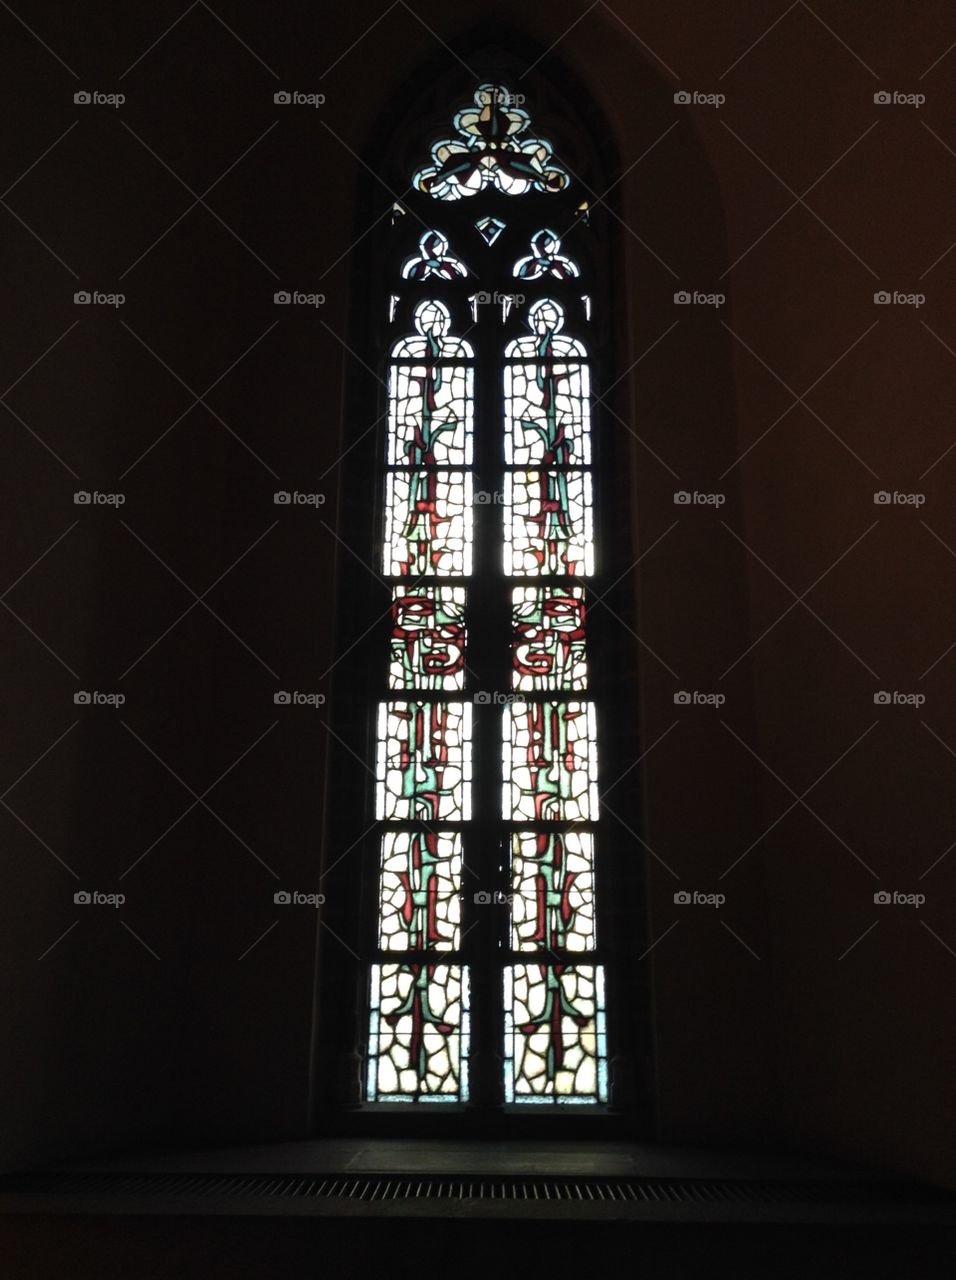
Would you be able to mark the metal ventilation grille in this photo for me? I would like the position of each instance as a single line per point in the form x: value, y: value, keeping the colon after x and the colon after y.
x: 390, y: 1187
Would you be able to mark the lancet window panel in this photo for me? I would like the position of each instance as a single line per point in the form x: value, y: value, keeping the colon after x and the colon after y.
x: 487, y: 546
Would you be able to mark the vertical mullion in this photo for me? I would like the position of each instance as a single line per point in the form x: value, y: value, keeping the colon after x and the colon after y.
x: 488, y: 626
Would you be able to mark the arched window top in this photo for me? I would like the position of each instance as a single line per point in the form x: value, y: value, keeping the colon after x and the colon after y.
x: 493, y: 148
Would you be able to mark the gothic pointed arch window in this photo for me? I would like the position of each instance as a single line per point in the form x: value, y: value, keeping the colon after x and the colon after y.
x: 487, y: 938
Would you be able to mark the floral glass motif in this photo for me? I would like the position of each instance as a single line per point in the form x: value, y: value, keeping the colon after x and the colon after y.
x: 428, y: 638
x: 547, y: 394
x: 545, y: 259
x: 419, y: 1033
x: 434, y: 259
x: 424, y: 762
x: 550, y: 762
x: 548, y: 640
x: 555, y: 1034
x: 420, y: 904
x: 492, y: 149
x: 552, y: 883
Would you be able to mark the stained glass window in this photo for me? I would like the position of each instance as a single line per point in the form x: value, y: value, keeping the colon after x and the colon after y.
x: 487, y: 754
